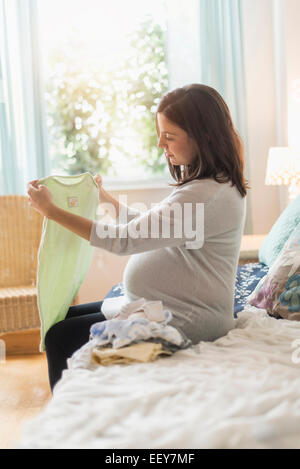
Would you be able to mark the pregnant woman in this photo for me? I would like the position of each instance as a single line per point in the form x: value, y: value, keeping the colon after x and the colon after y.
x: 195, y: 281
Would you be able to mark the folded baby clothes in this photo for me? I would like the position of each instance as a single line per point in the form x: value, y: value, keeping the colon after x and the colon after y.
x: 151, y: 310
x: 137, y: 353
x: 167, y: 346
x: 112, y: 306
x: 64, y: 257
x: 121, y: 332
x: 118, y: 334
x: 121, y: 308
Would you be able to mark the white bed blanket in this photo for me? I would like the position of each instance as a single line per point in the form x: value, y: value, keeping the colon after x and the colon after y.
x: 241, y: 391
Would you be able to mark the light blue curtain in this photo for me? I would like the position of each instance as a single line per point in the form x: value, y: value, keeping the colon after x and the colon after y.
x: 23, y: 138
x: 222, y: 65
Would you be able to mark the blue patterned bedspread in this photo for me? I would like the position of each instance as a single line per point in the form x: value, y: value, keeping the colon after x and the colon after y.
x: 247, y: 278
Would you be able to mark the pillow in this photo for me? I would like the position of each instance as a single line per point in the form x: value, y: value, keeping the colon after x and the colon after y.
x: 280, y: 232
x: 279, y: 291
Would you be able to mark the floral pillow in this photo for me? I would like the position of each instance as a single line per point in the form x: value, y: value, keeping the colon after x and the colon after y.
x: 279, y: 291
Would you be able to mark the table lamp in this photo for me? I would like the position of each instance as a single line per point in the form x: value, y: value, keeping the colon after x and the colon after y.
x: 283, y: 168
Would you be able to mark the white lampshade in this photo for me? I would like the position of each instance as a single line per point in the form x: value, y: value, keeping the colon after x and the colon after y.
x: 283, y: 167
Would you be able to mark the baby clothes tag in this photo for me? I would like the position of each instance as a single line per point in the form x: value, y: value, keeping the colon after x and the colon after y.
x: 73, y: 201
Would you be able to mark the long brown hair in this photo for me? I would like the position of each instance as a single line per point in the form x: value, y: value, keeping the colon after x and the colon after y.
x: 201, y: 112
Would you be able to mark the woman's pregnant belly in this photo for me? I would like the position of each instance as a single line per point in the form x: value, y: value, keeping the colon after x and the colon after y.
x: 159, y: 275
x: 181, y: 282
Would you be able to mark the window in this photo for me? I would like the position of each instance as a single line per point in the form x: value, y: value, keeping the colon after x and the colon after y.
x: 105, y: 68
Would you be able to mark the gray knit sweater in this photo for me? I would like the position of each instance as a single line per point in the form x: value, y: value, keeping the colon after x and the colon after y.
x: 195, y: 284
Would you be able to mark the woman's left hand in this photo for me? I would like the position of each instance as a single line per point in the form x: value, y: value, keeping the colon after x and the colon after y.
x: 40, y: 198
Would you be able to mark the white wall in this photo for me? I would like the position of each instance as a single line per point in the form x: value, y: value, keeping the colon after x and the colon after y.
x: 261, y: 109
x: 271, y: 42
x: 292, y: 28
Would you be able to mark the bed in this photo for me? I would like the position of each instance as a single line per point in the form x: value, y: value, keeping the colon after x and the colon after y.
x: 241, y: 391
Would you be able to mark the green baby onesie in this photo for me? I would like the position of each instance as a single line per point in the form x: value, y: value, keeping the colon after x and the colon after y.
x: 63, y: 257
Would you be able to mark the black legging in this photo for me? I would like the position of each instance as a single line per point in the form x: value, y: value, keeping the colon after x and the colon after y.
x: 67, y: 336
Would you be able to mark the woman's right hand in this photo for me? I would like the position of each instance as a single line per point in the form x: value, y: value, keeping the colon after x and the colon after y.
x: 113, y: 206
x: 98, y: 180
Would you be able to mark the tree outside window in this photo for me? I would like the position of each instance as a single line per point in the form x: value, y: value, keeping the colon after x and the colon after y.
x: 101, y: 113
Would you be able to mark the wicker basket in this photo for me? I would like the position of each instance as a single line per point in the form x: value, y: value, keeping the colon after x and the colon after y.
x: 20, y: 234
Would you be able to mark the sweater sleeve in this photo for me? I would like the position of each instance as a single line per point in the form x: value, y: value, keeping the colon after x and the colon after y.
x: 176, y: 221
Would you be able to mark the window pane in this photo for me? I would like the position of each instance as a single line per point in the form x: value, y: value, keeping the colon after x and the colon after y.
x: 105, y: 69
